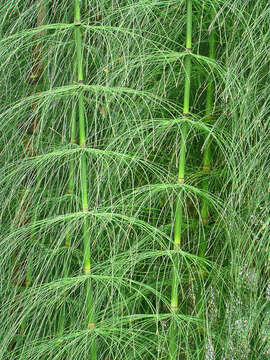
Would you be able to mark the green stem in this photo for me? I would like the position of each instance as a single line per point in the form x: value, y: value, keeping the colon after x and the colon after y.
x: 181, y: 175
x: 83, y: 172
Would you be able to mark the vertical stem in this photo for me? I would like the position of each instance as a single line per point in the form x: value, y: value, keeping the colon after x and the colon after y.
x: 83, y: 174
x: 181, y: 174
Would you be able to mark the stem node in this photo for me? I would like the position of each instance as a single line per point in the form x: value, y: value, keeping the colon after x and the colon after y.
x: 181, y: 180
x: 91, y: 326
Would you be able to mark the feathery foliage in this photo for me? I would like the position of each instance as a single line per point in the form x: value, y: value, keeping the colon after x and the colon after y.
x: 134, y: 137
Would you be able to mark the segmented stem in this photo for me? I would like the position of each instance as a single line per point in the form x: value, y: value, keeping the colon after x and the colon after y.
x: 181, y: 175
x: 83, y: 174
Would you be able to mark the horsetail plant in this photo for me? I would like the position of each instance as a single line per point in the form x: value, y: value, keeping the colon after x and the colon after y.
x: 181, y: 174
x: 83, y: 174
x: 97, y: 181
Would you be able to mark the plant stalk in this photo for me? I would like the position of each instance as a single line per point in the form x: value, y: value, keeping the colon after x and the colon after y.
x: 83, y: 175
x: 181, y: 175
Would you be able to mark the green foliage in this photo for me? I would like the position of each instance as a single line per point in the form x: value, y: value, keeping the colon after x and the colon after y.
x: 115, y: 80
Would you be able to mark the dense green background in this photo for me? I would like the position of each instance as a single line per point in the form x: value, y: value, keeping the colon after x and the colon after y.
x: 135, y: 69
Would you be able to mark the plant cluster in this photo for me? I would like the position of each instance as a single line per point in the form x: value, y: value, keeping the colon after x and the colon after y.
x: 134, y: 179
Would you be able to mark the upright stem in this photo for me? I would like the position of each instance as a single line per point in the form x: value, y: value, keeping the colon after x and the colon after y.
x: 181, y: 175
x: 83, y: 174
